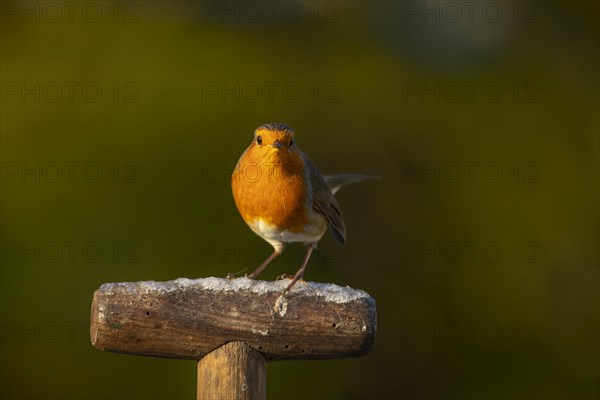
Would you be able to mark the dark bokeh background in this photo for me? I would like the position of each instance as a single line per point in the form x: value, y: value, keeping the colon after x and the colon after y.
x: 480, y: 243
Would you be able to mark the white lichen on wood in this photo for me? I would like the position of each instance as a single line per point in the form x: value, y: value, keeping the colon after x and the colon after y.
x: 330, y: 292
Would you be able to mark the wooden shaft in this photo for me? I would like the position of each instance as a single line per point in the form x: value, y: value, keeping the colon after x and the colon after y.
x: 233, y: 371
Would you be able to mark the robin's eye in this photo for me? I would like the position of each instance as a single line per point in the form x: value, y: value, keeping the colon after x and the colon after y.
x: 291, y: 143
x: 259, y: 140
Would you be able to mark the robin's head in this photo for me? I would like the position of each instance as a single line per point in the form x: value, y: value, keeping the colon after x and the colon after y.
x: 274, y: 138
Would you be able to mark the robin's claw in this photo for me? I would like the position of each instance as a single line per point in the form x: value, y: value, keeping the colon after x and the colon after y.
x: 284, y: 276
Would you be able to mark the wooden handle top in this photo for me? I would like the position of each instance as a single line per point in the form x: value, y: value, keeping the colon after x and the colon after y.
x: 190, y: 318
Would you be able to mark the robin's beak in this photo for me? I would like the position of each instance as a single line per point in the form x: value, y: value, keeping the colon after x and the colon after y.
x: 277, y: 144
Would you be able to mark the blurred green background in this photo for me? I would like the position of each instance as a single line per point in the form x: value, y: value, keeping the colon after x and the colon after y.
x: 121, y: 123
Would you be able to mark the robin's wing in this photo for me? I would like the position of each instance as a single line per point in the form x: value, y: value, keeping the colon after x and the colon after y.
x: 325, y: 203
x: 335, y: 182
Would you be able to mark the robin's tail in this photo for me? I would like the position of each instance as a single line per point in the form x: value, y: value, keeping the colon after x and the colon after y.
x: 335, y: 182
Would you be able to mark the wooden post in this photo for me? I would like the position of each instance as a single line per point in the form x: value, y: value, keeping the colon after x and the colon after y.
x: 233, y: 327
x: 233, y: 371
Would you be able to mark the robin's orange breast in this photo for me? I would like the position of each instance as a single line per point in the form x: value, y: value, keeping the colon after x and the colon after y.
x: 269, y: 187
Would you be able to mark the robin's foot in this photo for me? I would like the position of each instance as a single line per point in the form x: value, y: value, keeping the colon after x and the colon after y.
x: 231, y: 276
x: 300, y: 274
x: 292, y: 283
x: 284, y: 276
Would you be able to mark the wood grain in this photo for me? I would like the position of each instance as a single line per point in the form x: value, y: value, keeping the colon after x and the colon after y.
x: 231, y: 372
x: 188, y: 319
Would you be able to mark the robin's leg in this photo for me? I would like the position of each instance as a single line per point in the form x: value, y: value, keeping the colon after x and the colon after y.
x: 300, y: 272
x: 278, y: 250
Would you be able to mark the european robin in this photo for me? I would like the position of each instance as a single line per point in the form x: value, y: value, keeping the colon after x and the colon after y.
x: 283, y: 197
